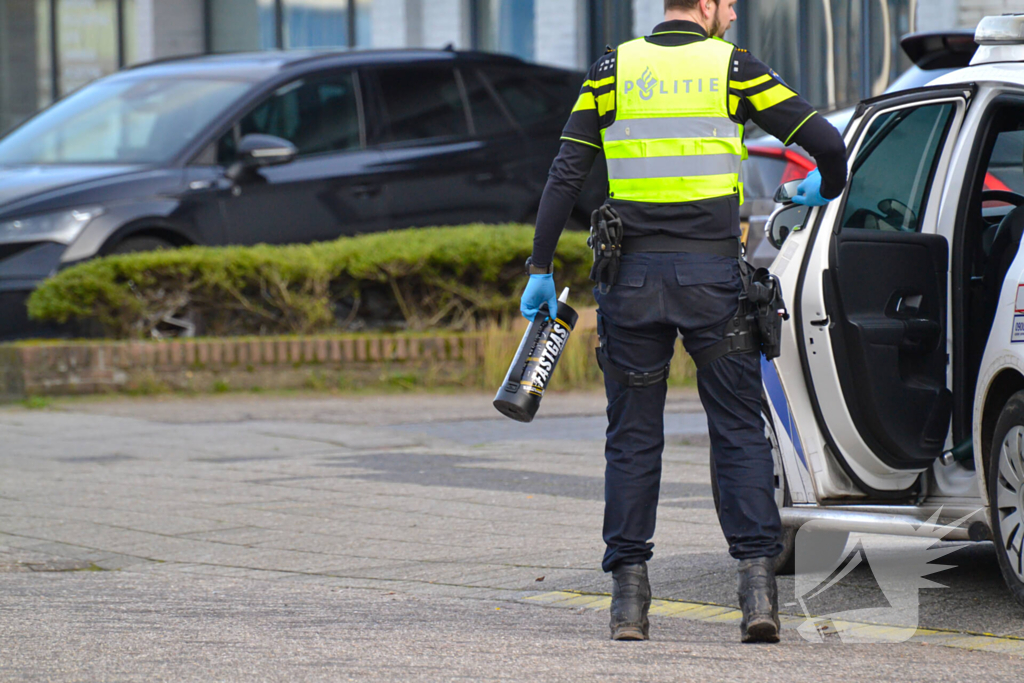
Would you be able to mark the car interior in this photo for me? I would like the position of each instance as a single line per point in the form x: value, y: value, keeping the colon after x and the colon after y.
x: 993, y: 224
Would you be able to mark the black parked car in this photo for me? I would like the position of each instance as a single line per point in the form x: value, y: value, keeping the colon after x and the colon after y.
x: 276, y: 147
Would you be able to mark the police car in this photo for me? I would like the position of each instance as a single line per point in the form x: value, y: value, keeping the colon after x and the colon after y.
x: 897, y: 405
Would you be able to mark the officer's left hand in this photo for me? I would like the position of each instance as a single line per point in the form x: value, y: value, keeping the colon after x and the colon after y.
x: 809, y: 191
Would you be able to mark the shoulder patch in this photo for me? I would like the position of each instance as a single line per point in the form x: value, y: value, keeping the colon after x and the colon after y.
x: 606, y: 64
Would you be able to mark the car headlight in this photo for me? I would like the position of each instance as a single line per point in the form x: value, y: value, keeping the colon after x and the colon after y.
x: 63, y: 227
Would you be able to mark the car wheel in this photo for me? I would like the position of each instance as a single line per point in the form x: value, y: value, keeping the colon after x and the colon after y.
x: 784, y: 562
x: 132, y: 245
x: 1006, y: 493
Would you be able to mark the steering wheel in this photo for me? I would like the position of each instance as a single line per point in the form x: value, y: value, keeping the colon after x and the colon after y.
x: 1002, y: 196
x: 1002, y: 235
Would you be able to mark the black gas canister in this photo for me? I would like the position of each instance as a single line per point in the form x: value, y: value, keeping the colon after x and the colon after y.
x: 542, y: 345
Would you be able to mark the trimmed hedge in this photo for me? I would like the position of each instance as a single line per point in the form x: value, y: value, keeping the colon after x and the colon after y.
x: 457, y: 278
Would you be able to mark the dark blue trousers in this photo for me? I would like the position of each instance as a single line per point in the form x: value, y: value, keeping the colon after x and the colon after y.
x: 656, y: 297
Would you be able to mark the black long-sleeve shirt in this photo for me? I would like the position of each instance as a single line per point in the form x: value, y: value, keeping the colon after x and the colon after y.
x: 781, y: 113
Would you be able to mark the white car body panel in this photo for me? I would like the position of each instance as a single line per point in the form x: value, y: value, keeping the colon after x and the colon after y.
x: 812, y: 472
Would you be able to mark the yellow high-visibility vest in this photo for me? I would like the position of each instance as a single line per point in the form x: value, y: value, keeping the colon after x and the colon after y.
x: 672, y: 140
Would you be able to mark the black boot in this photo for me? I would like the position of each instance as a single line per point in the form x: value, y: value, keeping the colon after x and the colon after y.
x: 759, y: 600
x: 631, y: 598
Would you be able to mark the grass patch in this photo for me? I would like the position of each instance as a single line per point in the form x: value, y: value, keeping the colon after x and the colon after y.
x: 37, y: 402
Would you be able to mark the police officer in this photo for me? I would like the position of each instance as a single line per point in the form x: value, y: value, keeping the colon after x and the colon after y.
x: 668, y: 112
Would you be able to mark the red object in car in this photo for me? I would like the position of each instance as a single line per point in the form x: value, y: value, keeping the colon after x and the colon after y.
x: 797, y: 166
x: 993, y: 183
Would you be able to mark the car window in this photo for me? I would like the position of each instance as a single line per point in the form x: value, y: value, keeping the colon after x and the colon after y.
x: 533, y: 99
x: 316, y: 115
x: 892, y: 174
x: 1006, y: 165
x: 422, y: 102
x: 127, y: 119
x: 488, y: 118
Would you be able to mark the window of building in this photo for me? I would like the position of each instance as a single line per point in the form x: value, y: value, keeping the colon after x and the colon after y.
x: 503, y: 26
x: 834, y: 52
x: 87, y: 41
x: 49, y: 48
x: 267, y: 24
x: 25, y: 66
x: 316, y: 115
x: 242, y: 25
x: 422, y: 102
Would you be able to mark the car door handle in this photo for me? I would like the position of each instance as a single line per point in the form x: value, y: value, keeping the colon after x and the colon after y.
x: 366, y: 191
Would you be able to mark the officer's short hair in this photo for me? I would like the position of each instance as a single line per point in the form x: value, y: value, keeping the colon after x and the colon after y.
x: 683, y: 4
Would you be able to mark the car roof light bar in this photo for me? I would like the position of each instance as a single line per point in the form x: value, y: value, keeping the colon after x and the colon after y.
x: 1001, y: 39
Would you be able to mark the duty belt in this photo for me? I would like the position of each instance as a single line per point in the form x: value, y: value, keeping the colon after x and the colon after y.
x: 729, y: 247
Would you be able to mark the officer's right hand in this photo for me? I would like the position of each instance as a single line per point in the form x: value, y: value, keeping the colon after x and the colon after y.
x: 809, y: 191
x: 541, y: 288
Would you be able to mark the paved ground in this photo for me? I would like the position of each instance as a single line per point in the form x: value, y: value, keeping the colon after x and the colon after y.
x: 386, y: 538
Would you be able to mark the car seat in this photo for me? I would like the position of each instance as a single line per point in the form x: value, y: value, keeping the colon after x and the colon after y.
x: 1005, y: 242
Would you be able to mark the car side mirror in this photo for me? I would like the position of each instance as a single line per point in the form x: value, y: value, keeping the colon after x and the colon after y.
x: 784, y: 220
x: 258, y: 151
x: 786, y: 192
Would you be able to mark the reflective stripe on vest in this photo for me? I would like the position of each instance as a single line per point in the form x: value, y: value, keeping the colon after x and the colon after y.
x: 672, y: 140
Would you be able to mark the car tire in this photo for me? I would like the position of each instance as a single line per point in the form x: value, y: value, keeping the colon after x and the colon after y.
x: 1005, y: 474
x: 132, y: 245
x: 784, y: 563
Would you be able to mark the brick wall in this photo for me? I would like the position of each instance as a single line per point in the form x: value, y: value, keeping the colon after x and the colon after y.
x: 238, y: 363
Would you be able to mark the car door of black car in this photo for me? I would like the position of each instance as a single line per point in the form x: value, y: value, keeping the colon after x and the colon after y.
x: 334, y: 187
x: 436, y: 172
x: 873, y: 300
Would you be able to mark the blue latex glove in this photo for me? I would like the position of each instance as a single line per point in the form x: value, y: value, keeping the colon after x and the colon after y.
x: 809, y: 191
x: 541, y: 288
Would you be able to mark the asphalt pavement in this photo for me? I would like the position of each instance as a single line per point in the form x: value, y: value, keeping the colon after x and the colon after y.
x: 394, y: 538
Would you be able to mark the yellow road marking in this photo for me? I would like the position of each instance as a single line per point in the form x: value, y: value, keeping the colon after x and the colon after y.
x: 718, y: 614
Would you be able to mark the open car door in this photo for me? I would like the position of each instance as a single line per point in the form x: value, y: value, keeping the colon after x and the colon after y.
x: 871, y: 301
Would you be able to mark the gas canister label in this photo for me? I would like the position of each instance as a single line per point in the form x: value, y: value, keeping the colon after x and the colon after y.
x: 545, y: 357
x: 1017, y: 332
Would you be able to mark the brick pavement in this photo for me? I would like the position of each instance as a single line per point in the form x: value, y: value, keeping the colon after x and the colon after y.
x: 402, y: 523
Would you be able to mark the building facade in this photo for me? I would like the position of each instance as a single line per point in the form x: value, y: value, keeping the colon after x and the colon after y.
x: 834, y: 51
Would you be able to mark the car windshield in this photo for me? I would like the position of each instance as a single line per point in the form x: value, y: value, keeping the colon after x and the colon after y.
x: 121, y: 121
